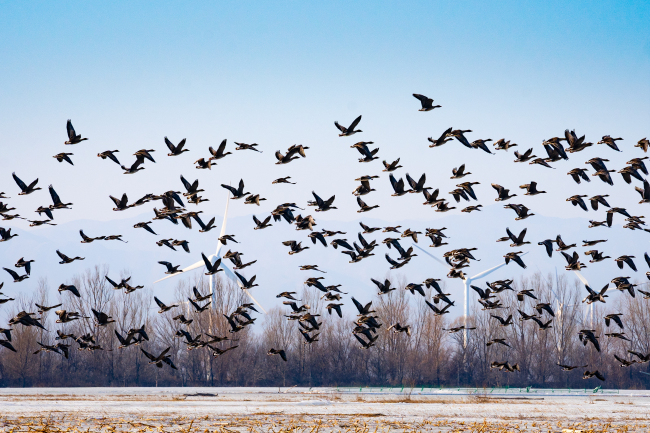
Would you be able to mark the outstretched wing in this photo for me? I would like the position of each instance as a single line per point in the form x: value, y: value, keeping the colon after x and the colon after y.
x: 20, y: 183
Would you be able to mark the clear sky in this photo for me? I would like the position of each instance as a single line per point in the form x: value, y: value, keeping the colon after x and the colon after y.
x: 130, y: 73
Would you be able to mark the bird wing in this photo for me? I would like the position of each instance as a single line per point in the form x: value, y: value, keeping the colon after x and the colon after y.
x: 354, y: 124
x: 20, y: 183
x: 12, y: 273
x: 70, y: 129
x: 159, y: 302
x: 231, y: 189
x: 63, y: 256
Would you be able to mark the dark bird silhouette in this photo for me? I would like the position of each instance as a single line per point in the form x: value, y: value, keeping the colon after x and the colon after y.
x: 175, y: 150
x: 64, y: 157
x: 220, y: 152
x: 25, y: 189
x: 65, y: 259
x: 427, y: 103
x: 346, y: 132
x: 236, y: 193
x: 73, y: 138
x: 444, y: 137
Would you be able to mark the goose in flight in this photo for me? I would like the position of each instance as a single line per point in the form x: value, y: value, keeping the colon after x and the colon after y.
x: 596, y: 256
x: 595, y: 200
x: 497, y: 341
x: 503, y: 322
x: 620, y: 261
x: 574, y: 143
x: 579, y: 174
x: 175, y: 150
x: 645, y: 192
x: 295, y: 247
x: 254, y: 199
x: 630, y: 172
x: 87, y: 239
x: 197, y: 307
x: 202, y: 164
x: 144, y: 225
x: 163, y: 308
x: 323, y: 205
x: 236, y: 193
x: 502, y: 144
x: 135, y: 167
x: 396, y: 265
x: 531, y: 189
x: 643, y: 144
x: 283, y: 180
x: 610, y: 141
x: 540, y: 161
x: 521, y: 210
x: 110, y: 155
x: 524, y: 157
x: 459, y: 134
x: 7, y: 344
x: 417, y: 187
x: 502, y: 193
x: 65, y: 259
x: 398, y: 186
x: 280, y: 352
x: 22, y: 263
x: 514, y: 256
x: 102, y: 319
x: 64, y: 157
x: 17, y: 278
x: 392, y: 166
x: 205, y: 227
x: 248, y: 284
x: 219, y: 153
x: 70, y: 288
x: 259, y: 225
x: 244, y: 146
x: 616, y: 318
x: 160, y: 359
x: 43, y: 309
x: 346, y: 132
x: 384, y: 287
x: 73, y: 138
x: 573, y: 262
x: 517, y: 241
x: 480, y: 144
x: 25, y: 189
x: 171, y: 269
x: 427, y: 103
x: 459, y: 172
x: 364, y: 207
x: 592, y: 243
x: 368, y: 155
x: 444, y: 137
x: 120, y: 204
x: 210, y: 267
x: 25, y: 319
x: 610, y: 214
x: 594, y: 296
x: 561, y: 245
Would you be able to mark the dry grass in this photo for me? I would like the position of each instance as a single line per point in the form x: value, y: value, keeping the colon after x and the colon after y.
x: 273, y: 422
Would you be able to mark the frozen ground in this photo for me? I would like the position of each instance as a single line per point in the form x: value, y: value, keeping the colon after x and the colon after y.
x: 322, y: 409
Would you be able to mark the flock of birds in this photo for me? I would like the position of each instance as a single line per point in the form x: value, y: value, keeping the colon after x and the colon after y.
x: 367, y: 324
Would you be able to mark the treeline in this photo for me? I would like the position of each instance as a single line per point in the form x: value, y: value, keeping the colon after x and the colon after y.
x: 430, y: 356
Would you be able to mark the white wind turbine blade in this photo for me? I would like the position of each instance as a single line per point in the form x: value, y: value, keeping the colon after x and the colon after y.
x: 232, y: 276
x: 223, y: 225
x: 189, y: 268
x: 442, y: 262
x: 583, y: 279
x: 489, y: 271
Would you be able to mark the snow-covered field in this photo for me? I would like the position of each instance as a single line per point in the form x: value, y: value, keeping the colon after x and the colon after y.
x: 329, y: 409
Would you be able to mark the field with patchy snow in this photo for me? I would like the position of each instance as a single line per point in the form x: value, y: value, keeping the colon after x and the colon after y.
x: 322, y: 409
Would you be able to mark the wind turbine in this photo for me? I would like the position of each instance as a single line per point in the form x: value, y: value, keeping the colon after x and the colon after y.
x: 213, y: 258
x: 467, y: 281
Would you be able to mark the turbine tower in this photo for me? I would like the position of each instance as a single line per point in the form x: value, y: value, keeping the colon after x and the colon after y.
x: 467, y: 281
x: 213, y: 258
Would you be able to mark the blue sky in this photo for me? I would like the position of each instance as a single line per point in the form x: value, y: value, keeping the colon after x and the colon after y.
x: 130, y: 73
